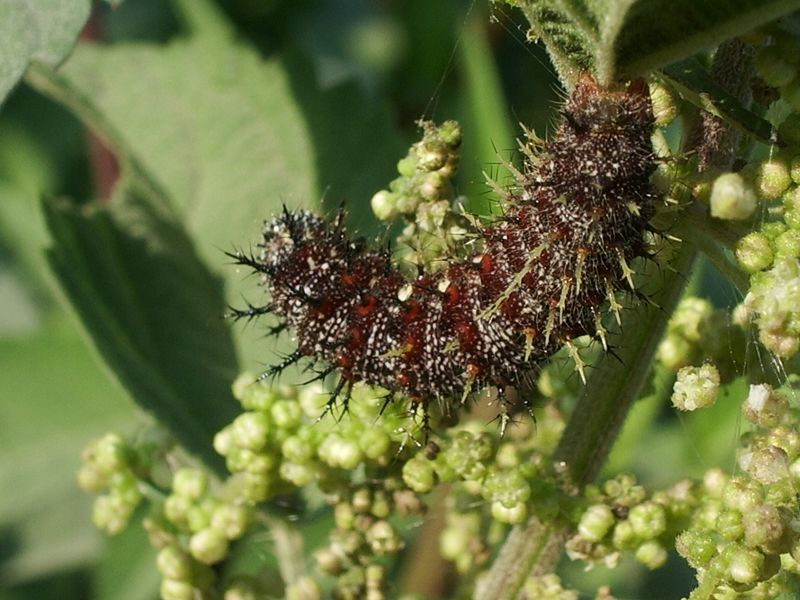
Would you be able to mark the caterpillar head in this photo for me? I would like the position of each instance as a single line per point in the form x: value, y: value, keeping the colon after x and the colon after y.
x: 285, y: 234
x: 594, y: 108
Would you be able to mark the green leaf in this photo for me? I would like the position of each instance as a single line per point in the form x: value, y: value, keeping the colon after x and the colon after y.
x: 621, y: 39
x: 44, y: 30
x: 152, y: 308
x: 56, y: 397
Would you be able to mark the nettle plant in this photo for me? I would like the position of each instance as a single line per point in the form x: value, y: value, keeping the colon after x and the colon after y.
x: 488, y: 364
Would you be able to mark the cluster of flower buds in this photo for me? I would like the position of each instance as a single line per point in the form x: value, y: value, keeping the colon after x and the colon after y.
x: 697, y: 331
x: 424, y: 195
x: 743, y: 535
x: 110, y: 468
x: 620, y: 516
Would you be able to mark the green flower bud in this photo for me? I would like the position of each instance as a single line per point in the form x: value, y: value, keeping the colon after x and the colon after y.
x: 304, y: 588
x: 649, y: 520
x: 406, y: 503
x: 242, y: 588
x: 176, y: 509
x: 344, y: 516
x: 241, y: 384
x: 231, y: 519
x: 698, y: 548
x: 111, y: 514
x: 549, y: 587
x: 453, y: 542
x: 384, y: 205
x: 741, y: 494
x: 407, y: 166
x: 696, y: 387
x: 299, y: 475
x: 467, y: 453
x: 754, y: 252
x: 450, y: 133
x: 250, y: 430
x: 419, y: 474
x: 286, y: 414
x: 780, y: 343
x: 651, y: 554
x: 258, y: 397
x: 787, y: 244
x: 729, y: 525
x: 341, y: 452
x: 513, y: 514
x: 209, y: 546
x: 383, y: 539
x: 786, y: 438
x: 431, y: 189
x: 691, y: 317
x: 91, y: 479
x: 675, y: 351
x: 256, y: 487
x: 507, y: 486
x: 223, y: 441
x: 767, y: 528
x: 361, y: 500
x: 432, y: 155
x: 773, y: 178
x: 715, y: 481
x: 375, y: 443
x: 766, y: 465
x: 125, y: 487
x: 794, y: 168
x: 746, y: 566
x: 732, y: 198
x: 624, y: 537
x: 407, y: 203
x: 381, y: 505
x: 298, y: 449
x: 199, y: 515
x: 328, y: 561
x: 596, y: 522
x: 172, y: 589
x: 190, y: 483
x: 174, y: 563
x: 312, y: 399
x: 109, y: 453
x: 773, y: 229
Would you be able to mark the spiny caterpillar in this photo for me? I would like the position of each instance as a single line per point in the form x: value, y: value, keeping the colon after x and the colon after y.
x: 547, y: 267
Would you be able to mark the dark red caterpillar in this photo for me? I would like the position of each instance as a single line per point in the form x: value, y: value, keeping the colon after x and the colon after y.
x: 561, y: 251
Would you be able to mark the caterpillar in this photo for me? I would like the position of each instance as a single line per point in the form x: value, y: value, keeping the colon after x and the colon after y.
x: 546, y: 269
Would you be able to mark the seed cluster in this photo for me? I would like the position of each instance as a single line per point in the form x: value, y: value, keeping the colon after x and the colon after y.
x: 562, y: 250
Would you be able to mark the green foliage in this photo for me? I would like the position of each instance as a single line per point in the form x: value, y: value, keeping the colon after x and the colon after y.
x: 165, y: 340
x: 45, y: 31
x: 620, y: 39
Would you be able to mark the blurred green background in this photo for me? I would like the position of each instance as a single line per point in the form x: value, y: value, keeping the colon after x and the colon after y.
x: 410, y: 59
